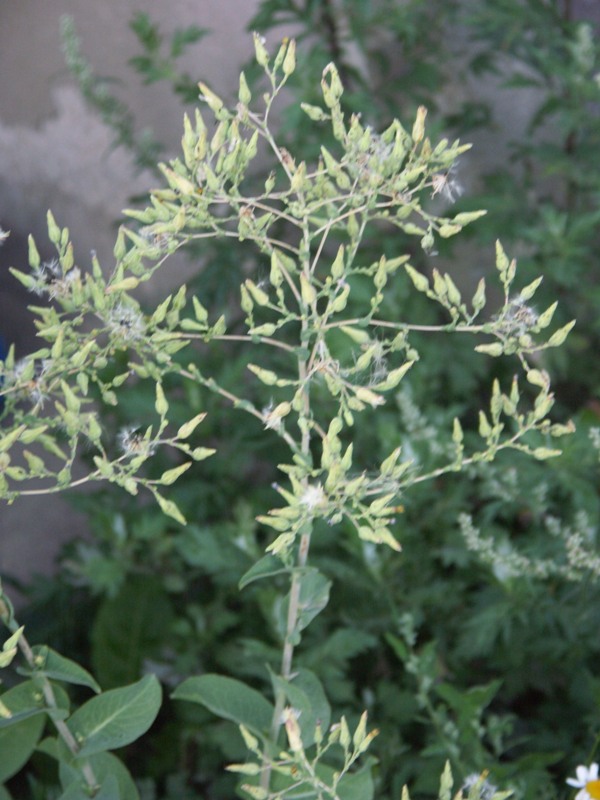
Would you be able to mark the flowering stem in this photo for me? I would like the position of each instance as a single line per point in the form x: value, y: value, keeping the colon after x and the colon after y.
x: 294, y: 597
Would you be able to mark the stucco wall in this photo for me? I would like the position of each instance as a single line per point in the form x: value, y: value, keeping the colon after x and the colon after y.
x: 55, y: 153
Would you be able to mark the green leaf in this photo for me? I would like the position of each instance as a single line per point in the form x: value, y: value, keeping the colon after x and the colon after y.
x: 55, y: 666
x: 305, y: 693
x: 357, y: 785
x: 109, y: 790
x: 314, y: 596
x: 18, y: 741
x: 117, y: 717
x: 110, y: 772
x: 128, y: 628
x: 266, y: 567
x: 228, y: 698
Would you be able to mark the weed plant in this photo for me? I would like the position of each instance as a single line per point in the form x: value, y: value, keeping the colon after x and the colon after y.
x: 467, y: 645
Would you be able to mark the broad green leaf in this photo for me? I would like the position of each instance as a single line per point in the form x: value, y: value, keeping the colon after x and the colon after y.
x: 305, y: 693
x: 111, y: 773
x: 357, y: 785
x: 76, y: 791
x: 60, y: 668
x: 109, y: 790
x: 228, y: 698
x: 18, y: 741
x: 469, y: 701
x: 117, y: 717
x: 128, y: 629
x: 397, y: 646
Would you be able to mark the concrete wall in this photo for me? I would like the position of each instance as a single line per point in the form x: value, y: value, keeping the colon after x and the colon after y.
x: 55, y: 153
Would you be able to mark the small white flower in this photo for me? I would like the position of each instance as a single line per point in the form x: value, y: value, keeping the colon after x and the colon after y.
x: 4, y: 235
x: 587, y: 782
x: 313, y: 497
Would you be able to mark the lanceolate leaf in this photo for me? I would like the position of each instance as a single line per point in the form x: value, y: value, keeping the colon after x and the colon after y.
x: 108, y: 770
x: 305, y: 694
x: 267, y: 566
x: 228, y: 698
x: 18, y: 741
x: 55, y: 666
x: 117, y: 717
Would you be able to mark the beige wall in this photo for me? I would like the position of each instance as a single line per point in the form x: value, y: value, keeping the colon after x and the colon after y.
x: 53, y: 150
x: 55, y: 153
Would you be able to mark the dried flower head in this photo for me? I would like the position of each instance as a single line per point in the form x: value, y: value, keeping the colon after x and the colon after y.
x: 133, y: 443
x: 126, y: 322
x: 158, y: 239
x: 50, y: 279
x: 30, y: 386
x: 518, y: 318
x: 446, y: 185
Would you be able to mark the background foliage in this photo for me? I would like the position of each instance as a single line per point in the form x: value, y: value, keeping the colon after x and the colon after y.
x: 471, y: 644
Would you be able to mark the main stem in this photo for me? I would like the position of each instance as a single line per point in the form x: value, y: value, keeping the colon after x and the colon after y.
x: 294, y: 603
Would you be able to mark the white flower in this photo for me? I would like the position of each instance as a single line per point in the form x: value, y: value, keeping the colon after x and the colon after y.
x: 313, y: 497
x: 587, y: 782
